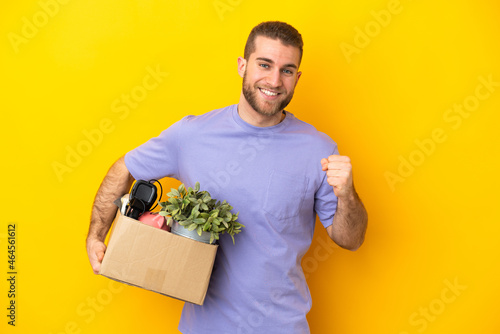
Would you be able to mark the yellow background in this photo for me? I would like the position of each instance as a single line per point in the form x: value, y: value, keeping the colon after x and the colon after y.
x: 436, y: 226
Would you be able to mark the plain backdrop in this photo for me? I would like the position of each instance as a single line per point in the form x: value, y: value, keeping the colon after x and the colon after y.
x: 410, y: 90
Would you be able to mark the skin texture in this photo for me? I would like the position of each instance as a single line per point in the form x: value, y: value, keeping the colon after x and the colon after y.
x: 273, y: 67
x: 116, y: 183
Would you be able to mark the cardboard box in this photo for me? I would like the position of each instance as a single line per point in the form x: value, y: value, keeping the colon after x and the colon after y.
x: 157, y: 260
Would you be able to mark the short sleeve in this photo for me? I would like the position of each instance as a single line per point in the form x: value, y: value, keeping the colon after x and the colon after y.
x: 157, y: 158
x: 325, y: 201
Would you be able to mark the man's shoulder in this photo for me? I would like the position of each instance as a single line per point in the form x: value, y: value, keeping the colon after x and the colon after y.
x: 193, y: 124
x: 211, y: 116
x: 310, y: 132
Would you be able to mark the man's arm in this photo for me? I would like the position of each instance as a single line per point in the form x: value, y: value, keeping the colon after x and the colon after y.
x: 350, y: 219
x: 116, y: 183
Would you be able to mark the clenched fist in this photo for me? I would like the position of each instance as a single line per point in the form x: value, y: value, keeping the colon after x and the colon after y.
x: 338, y: 170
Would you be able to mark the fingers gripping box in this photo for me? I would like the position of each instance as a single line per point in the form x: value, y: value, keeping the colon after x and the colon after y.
x: 157, y: 260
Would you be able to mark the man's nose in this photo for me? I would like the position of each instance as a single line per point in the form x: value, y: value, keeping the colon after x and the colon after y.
x: 274, y: 78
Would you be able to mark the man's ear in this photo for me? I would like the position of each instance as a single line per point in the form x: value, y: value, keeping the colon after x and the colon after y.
x: 242, y: 64
x: 298, y: 77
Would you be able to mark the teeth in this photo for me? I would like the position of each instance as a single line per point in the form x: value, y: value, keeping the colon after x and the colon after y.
x: 268, y: 92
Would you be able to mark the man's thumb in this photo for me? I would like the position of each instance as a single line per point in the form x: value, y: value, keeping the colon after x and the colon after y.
x: 100, y: 256
x: 324, y: 164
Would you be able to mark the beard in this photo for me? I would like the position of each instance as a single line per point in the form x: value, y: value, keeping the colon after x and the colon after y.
x: 265, y: 108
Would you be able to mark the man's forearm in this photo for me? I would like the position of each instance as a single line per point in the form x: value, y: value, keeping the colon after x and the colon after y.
x: 349, y: 223
x: 116, y: 183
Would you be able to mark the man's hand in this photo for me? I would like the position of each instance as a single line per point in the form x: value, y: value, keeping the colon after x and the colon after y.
x: 95, y: 252
x: 350, y: 219
x: 338, y: 170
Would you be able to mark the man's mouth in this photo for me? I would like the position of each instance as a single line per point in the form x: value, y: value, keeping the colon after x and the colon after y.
x: 268, y: 92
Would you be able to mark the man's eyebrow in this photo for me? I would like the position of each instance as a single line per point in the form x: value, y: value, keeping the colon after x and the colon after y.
x: 272, y: 62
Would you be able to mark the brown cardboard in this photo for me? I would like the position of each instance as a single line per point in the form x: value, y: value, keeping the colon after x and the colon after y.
x: 157, y: 260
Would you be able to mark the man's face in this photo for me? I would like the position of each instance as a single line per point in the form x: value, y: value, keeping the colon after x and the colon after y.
x: 270, y: 75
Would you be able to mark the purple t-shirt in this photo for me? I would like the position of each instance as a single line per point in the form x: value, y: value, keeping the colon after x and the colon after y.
x: 273, y: 177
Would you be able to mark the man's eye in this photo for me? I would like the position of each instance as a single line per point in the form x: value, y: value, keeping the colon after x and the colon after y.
x: 287, y: 72
x: 264, y: 65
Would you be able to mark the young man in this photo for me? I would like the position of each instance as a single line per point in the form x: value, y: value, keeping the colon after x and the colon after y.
x: 276, y: 170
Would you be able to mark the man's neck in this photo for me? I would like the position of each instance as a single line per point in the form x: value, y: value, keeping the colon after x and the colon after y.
x: 252, y: 117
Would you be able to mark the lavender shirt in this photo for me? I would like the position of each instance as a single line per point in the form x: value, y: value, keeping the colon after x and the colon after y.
x: 273, y: 177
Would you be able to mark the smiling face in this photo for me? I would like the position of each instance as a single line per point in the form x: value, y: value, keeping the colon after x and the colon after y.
x: 269, y: 76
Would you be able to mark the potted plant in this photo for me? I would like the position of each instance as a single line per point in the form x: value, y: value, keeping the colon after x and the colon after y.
x: 195, y: 214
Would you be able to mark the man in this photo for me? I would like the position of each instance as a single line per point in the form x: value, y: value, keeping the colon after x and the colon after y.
x: 276, y: 170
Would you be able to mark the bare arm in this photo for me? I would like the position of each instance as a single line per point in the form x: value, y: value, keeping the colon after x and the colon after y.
x: 349, y: 223
x: 116, y: 183
x: 351, y: 219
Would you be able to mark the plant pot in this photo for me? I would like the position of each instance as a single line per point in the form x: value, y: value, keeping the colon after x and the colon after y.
x: 178, y: 229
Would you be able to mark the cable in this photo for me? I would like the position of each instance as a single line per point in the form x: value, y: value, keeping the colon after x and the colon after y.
x: 161, y: 193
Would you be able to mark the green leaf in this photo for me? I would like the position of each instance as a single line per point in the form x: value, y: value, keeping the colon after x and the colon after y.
x: 169, y: 221
x: 185, y: 223
x: 199, y: 230
x: 206, y: 226
x: 199, y: 220
x: 192, y: 227
x: 182, y: 189
x: 164, y: 213
x: 197, y: 186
